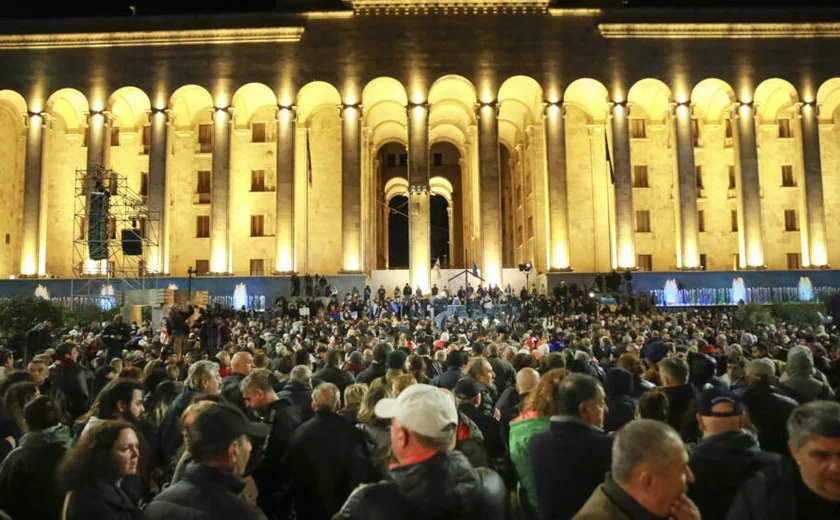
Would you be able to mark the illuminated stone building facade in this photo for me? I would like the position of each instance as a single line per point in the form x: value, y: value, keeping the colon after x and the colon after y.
x: 275, y: 143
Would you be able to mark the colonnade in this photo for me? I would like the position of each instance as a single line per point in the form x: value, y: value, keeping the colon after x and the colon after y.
x: 556, y: 256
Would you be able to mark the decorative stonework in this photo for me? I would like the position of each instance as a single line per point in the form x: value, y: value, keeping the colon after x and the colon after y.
x: 720, y: 30
x: 435, y: 7
x: 151, y: 38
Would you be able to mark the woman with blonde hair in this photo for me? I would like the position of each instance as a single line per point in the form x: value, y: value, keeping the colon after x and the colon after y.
x: 402, y: 382
x: 353, y: 397
x: 535, y: 418
x: 377, y: 429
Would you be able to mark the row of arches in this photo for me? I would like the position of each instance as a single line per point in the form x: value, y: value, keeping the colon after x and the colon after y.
x: 452, y: 120
x: 452, y: 98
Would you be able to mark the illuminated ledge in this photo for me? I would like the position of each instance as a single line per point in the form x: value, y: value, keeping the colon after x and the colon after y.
x: 151, y: 38
x: 560, y: 11
x: 365, y: 4
x: 720, y: 30
x: 328, y: 15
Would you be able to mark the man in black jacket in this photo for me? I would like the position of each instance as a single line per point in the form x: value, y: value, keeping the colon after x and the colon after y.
x: 282, y: 418
x: 430, y: 481
x: 178, y: 326
x: 241, y: 366
x: 220, y: 443
x: 726, y: 457
x: 326, y: 459
x: 37, y: 339
x: 569, y: 461
x: 202, y: 378
x: 768, y: 407
x: 73, y: 380
x: 505, y: 373
x: 378, y: 368
x: 455, y: 362
x: 807, y: 487
x: 682, y: 398
x: 332, y: 373
x: 299, y: 391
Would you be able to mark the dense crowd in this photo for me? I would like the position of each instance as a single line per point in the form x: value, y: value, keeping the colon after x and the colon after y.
x: 413, y: 406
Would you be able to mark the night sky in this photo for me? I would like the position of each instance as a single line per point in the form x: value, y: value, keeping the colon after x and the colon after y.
x: 97, y: 8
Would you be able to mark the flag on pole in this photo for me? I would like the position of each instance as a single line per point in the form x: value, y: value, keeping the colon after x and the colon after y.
x: 609, y: 158
x: 308, y: 160
x: 437, y: 267
x: 475, y: 269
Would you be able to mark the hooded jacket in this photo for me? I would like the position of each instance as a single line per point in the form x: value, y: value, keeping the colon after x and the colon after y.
x: 440, y: 488
x: 27, y: 477
x: 621, y: 407
x: 522, y: 428
x: 721, y: 464
x: 799, y: 380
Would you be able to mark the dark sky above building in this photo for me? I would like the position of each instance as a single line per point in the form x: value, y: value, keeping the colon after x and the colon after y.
x: 98, y: 8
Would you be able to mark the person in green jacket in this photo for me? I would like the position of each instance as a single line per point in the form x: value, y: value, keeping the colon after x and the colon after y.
x: 535, y: 418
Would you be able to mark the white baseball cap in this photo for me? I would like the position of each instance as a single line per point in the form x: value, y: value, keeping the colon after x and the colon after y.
x: 422, y: 409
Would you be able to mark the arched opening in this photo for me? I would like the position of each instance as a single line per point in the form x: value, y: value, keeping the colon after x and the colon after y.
x: 189, y: 166
x: 439, y: 221
x: 392, y: 179
x: 713, y: 99
x: 318, y: 233
x: 64, y: 152
x: 652, y: 169
x: 590, y: 224
x: 398, y: 232
x: 454, y: 157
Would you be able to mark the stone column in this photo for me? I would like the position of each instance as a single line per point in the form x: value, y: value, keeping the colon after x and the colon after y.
x: 558, y: 203
x: 220, y: 193
x: 284, y: 221
x: 156, y: 200
x: 688, y: 256
x: 490, y: 205
x: 625, y: 240
x: 419, y: 205
x: 746, y: 163
x: 351, y: 187
x: 32, y: 246
x: 98, y: 138
x: 813, y: 189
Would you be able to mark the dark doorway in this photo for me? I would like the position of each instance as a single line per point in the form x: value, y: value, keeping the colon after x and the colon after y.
x: 439, y: 220
x: 398, y: 232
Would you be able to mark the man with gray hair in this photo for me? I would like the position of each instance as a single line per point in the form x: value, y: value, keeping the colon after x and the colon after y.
x: 648, y: 479
x: 299, y: 390
x: 202, y: 378
x: 806, y: 486
x: 768, y: 406
x: 430, y: 480
x: 327, y: 458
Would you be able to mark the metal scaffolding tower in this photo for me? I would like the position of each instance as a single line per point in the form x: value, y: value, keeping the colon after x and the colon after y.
x: 125, y: 209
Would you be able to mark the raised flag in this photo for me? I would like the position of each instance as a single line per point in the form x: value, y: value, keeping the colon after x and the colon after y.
x: 437, y: 267
x: 308, y: 160
x: 609, y: 158
x: 475, y: 269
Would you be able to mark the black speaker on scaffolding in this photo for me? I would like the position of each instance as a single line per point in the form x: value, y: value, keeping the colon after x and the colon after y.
x: 98, y: 226
x: 132, y: 242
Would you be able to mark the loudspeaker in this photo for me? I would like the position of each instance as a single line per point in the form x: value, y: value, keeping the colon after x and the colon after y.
x: 97, y: 226
x: 132, y: 242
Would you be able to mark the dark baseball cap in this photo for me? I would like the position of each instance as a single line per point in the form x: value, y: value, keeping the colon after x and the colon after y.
x: 466, y: 388
x: 223, y: 423
x: 713, y: 396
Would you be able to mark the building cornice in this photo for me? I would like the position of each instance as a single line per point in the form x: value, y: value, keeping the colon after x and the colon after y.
x: 719, y: 30
x: 151, y: 38
x: 423, y: 7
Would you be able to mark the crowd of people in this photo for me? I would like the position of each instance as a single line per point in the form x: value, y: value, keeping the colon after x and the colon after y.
x: 563, y: 409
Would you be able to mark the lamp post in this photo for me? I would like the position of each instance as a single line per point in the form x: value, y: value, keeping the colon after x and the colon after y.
x: 190, y: 272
